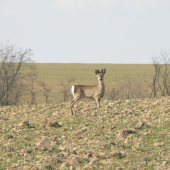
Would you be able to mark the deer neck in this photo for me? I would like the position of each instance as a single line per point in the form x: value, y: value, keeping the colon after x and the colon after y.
x: 101, y: 85
x: 101, y: 89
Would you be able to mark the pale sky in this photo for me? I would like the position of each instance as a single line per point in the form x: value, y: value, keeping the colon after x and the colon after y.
x: 87, y: 31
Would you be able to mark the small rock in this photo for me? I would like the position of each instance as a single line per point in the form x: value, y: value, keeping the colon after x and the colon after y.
x: 24, y: 123
x: 53, y: 159
x: 75, y: 159
x: 88, y: 167
x: 112, y: 143
x: 148, y: 115
x: 65, y: 148
x: 8, y: 136
x: 72, y: 168
x: 119, y: 168
x: 123, y: 133
x: 29, y: 151
x: 64, y: 165
x: 119, y: 154
x: 107, y: 163
x: 43, y: 140
x: 61, y: 155
x: 101, y: 127
x: 148, y: 133
x: 97, y: 134
x: 159, y: 144
x: 47, y: 167
x: 113, y: 127
x: 84, y: 129
x: 9, y: 148
x: 93, y: 161
x: 106, y: 146
x: 141, y: 124
x: 89, y: 155
x: 103, y: 155
x: 82, y: 151
x: 44, y: 149
x: 74, y: 152
x: 164, y: 163
x: 9, y: 154
x: 15, y: 165
x: 55, y: 124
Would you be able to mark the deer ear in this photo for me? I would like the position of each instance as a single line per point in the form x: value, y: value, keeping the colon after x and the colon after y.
x: 97, y: 71
x: 104, y: 71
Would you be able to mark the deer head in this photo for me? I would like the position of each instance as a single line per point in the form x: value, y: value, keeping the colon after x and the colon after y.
x: 100, y: 74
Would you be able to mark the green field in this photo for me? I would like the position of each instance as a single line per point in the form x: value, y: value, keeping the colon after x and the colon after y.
x: 55, y: 74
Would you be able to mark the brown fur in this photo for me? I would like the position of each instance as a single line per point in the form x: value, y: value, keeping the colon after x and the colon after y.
x: 93, y: 92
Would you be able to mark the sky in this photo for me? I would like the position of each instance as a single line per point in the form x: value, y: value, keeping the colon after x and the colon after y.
x: 87, y: 31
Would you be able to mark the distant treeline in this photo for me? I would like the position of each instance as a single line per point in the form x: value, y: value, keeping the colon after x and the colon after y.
x: 24, y: 82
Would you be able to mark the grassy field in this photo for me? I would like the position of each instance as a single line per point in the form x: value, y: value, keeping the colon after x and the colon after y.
x: 129, y: 135
x: 55, y: 74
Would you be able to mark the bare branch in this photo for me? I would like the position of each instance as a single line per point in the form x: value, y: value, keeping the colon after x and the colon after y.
x: 13, y: 62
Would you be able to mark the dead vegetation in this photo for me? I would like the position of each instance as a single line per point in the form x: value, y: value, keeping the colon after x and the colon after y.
x: 129, y: 134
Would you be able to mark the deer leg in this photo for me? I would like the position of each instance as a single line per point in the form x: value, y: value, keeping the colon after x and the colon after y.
x: 98, y: 105
x: 71, y: 108
x: 72, y: 105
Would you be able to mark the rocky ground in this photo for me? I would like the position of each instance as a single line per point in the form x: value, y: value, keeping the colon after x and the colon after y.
x: 129, y: 134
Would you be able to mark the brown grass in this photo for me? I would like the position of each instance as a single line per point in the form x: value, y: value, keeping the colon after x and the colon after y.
x: 54, y: 74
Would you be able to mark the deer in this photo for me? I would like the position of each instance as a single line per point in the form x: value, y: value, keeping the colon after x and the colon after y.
x: 89, y: 91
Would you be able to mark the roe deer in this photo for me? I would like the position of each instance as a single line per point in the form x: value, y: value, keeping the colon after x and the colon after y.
x: 93, y: 92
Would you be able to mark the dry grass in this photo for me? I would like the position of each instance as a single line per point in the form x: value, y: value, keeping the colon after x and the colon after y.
x: 54, y: 74
x: 130, y: 134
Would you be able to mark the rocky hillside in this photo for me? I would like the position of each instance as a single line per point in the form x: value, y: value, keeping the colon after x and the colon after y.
x: 130, y: 134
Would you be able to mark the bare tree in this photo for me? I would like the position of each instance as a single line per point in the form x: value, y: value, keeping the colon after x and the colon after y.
x: 32, y: 82
x: 160, y: 85
x: 130, y: 88
x: 156, y: 80
x: 46, y: 90
x: 115, y: 92
x: 66, y: 91
x: 13, y: 62
x: 165, y: 74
